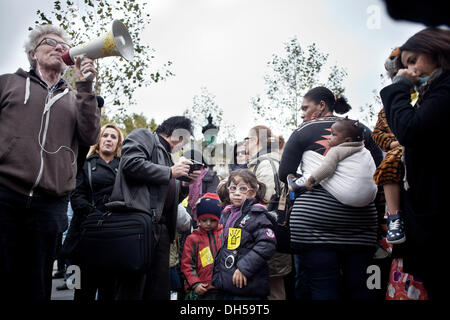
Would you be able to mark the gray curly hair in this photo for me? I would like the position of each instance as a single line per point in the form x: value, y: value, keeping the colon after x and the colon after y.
x: 37, y: 33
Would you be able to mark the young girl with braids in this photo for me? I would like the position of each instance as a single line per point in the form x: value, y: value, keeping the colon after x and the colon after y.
x: 240, y: 268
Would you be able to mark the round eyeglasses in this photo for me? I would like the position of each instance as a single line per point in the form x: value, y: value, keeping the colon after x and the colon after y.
x: 242, y: 189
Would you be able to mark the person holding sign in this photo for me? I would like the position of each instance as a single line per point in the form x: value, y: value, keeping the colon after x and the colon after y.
x: 201, y: 248
x: 241, y: 270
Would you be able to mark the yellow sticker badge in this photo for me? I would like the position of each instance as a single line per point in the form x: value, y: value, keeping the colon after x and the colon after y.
x: 234, y: 238
x: 206, y: 257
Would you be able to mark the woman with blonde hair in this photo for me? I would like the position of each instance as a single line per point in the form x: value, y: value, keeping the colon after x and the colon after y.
x: 105, y: 153
x: 94, y: 187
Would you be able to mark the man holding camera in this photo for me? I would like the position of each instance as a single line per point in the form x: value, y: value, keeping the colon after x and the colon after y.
x: 148, y: 173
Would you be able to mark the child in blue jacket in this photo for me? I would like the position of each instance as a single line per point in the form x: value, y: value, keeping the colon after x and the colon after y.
x: 240, y: 268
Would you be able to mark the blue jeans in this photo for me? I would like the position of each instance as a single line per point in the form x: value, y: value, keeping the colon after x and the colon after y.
x: 29, y: 231
x: 335, y: 274
x: 301, y: 285
x: 69, y: 217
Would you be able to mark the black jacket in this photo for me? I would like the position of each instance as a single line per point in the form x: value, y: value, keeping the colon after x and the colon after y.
x: 103, y: 175
x: 143, y: 178
x: 85, y: 199
x: 257, y: 244
x: 423, y: 132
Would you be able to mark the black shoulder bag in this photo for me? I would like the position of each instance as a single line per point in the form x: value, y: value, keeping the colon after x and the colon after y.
x: 118, y: 240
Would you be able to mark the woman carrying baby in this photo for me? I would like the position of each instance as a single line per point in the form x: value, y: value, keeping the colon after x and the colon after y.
x: 335, y: 241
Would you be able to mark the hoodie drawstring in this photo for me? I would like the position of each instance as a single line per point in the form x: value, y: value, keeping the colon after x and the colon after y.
x: 27, y: 90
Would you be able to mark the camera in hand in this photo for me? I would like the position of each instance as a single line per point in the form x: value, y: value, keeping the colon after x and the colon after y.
x: 192, y: 167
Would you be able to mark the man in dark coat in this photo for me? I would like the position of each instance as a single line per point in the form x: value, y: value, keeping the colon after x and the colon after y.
x: 147, y: 182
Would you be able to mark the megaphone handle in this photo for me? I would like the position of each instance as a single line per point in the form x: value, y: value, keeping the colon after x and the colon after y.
x: 88, y: 75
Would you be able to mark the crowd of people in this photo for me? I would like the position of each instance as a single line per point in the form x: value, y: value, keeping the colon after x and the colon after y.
x: 296, y: 219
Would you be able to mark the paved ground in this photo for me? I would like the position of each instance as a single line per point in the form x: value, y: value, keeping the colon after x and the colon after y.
x: 63, y: 294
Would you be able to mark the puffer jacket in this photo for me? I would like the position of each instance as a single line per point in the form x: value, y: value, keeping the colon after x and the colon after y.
x: 249, y: 246
x: 197, y: 261
x: 281, y: 263
x: 40, y: 131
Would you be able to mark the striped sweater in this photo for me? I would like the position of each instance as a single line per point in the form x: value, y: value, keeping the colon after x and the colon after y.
x: 317, y: 218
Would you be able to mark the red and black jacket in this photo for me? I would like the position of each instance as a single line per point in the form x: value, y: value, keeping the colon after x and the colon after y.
x: 197, y: 261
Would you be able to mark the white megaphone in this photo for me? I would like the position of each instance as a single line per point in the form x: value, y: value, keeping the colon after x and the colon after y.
x: 116, y: 42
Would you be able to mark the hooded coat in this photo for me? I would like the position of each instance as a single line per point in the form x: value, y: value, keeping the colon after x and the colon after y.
x: 40, y: 131
x: 249, y: 252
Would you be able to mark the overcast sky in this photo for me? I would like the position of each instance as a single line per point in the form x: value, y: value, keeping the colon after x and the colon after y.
x: 224, y: 45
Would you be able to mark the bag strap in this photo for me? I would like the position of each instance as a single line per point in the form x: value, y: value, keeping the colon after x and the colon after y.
x: 281, y: 195
x: 153, y: 193
x: 275, y: 173
x: 90, y: 181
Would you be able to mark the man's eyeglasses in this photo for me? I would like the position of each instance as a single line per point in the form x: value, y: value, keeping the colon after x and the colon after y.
x: 240, y: 153
x: 242, y: 189
x: 53, y: 43
x: 247, y: 139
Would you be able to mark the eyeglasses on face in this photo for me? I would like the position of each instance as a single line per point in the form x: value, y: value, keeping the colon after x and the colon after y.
x: 240, y: 153
x: 248, y: 139
x: 242, y: 189
x: 53, y: 43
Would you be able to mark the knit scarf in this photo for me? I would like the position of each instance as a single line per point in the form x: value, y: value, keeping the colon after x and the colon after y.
x: 232, y: 218
x: 195, y: 192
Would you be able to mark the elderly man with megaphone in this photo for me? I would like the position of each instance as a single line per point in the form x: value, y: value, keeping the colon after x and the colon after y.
x: 42, y: 123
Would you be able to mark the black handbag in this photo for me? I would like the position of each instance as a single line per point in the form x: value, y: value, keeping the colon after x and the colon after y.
x: 118, y: 241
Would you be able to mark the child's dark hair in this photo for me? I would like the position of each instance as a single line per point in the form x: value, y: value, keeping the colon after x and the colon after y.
x: 223, y: 194
x: 250, y: 179
x: 338, y: 105
x: 352, y: 128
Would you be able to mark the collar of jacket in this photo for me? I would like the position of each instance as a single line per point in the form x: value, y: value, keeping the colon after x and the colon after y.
x: 352, y: 144
x: 200, y: 230
x: 34, y: 77
x: 434, y: 78
x: 249, y: 203
x: 95, y: 155
x: 61, y: 83
x: 164, y: 143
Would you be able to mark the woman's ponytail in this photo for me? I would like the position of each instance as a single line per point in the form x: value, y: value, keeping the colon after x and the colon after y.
x: 261, y: 193
x: 338, y: 105
x: 341, y: 105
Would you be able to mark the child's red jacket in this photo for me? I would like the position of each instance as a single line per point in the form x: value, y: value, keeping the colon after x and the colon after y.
x: 197, y: 261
